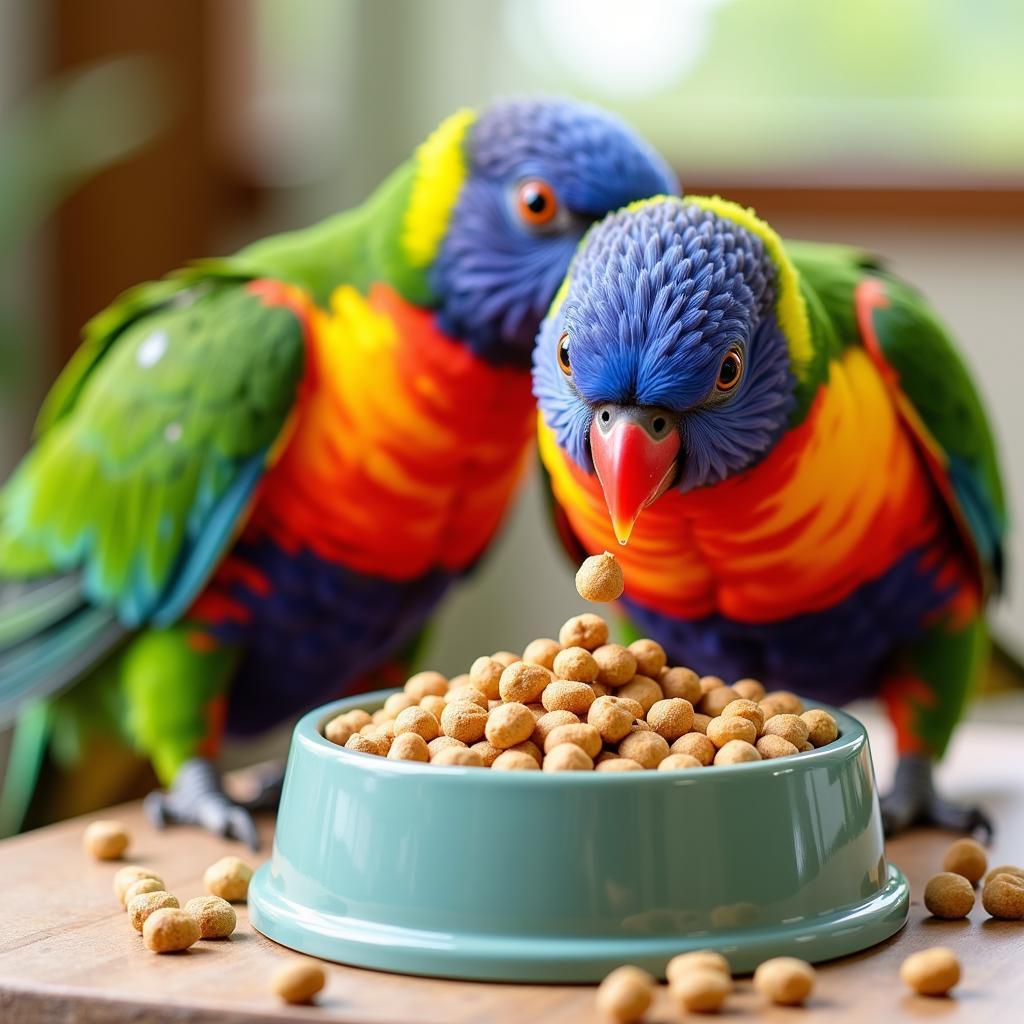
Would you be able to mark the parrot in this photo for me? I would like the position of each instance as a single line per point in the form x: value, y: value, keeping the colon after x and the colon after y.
x: 257, y: 477
x: 785, y: 448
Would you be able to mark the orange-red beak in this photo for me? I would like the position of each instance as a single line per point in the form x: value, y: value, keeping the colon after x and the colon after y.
x: 635, y: 452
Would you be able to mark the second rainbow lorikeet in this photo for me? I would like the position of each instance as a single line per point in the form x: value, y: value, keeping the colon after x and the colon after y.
x: 256, y: 478
x: 793, y: 449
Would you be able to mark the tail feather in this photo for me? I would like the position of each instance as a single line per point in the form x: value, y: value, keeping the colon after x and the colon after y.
x: 45, y: 663
x: 28, y: 607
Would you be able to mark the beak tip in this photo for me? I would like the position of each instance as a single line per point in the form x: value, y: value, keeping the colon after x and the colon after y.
x: 623, y: 529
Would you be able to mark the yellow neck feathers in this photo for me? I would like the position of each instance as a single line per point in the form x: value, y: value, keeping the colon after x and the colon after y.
x: 440, y: 170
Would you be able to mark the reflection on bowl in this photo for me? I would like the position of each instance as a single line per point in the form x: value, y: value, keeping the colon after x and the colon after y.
x: 536, y: 876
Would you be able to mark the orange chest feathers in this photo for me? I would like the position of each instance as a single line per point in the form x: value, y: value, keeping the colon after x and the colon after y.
x: 406, y: 448
x: 840, y: 498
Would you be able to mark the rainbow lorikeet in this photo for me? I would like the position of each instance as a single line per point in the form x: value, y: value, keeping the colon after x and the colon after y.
x: 257, y: 477
x: 793, y: 449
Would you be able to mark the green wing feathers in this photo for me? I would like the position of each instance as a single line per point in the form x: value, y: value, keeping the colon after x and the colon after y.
x: 930, y: 374
x: 148, y: 454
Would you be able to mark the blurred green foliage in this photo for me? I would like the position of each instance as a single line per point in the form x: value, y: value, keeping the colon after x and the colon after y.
x: 61, y: 135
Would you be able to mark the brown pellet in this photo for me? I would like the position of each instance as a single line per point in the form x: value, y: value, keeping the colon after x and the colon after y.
x: 965, y: 857
x: 949, y: 896
x: 931, y: 972
x: 106, y: 839
x: 587, y: 630
x: 169, y: 930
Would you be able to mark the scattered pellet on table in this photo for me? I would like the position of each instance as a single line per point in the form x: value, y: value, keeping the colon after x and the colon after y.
x: 567, y: 757
x: 965, y: 857
x: 105, y: 839
x: 705, y: 958
x: 143, y: 885
x: 515, y: 761
x: 701, y: 989
x: 599, y: 578
x: 949, y: 895
x: 409, y: 746
x: 169, y: 930
x: 140, y: 907
x: 785, y: 980
x: 822, y: 728
x: 625, y: 995
x: 736, y: 752
x: 931, y: 972
x: 298, y: 981
x: 216, y: 917
x: 229, y: 879
x: 132, y: 873
x: 1004, y: 869
x: 588, y: 631
x: 462, y: 757
x: 1003, y: 897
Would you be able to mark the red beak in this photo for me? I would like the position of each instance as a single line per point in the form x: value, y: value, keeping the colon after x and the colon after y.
x: 635, y: 453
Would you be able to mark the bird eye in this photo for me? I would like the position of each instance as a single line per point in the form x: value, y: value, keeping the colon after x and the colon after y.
x: 536, y: 202
x: 563, y: 354
x: 730, y: 371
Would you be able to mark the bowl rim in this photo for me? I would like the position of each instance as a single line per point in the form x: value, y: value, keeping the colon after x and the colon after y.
x: 852, y: 739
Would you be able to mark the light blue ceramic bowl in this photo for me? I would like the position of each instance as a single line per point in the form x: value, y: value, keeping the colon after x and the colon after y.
x: 527, y: 876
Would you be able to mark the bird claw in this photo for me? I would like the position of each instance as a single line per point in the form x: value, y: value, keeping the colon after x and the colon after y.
x: 912, y: 801
x: 196, y: 798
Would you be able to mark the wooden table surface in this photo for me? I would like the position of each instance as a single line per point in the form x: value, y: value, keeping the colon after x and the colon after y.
x: 68, y: 954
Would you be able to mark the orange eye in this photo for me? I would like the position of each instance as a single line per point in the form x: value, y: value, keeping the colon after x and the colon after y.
x: 536, y: 202
x: 730, y: 371
x: 563, y: 354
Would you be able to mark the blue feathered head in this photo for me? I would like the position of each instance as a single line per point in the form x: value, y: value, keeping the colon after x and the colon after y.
x: 669, y: 357
x: 501, y: 202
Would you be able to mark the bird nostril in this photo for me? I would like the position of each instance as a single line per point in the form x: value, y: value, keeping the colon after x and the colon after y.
x: 658, y: 424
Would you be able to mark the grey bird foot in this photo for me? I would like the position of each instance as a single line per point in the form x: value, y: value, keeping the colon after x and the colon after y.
x: 913, y: 801
x: 196, y: 798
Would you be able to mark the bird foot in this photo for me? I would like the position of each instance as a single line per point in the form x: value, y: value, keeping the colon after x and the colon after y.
x: 196, y: 798
x: 912, y: 801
